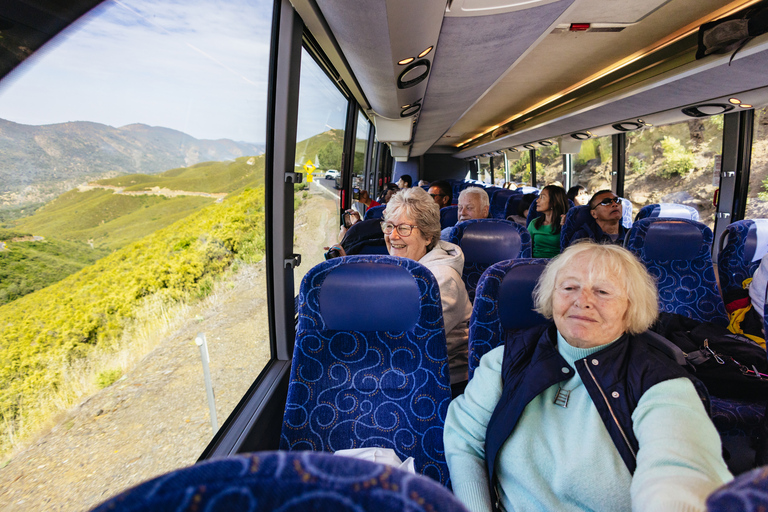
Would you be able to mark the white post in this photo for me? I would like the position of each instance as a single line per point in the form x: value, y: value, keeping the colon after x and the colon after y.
x: 200, y: 341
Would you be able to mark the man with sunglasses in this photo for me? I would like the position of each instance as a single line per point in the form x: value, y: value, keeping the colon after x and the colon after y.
x: 441, y: 193
x: 605, y: 209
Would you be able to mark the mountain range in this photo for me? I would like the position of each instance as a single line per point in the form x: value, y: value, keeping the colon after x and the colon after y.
x: 39, y: 162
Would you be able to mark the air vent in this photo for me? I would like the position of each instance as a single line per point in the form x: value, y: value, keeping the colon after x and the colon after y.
x: 707, y: 109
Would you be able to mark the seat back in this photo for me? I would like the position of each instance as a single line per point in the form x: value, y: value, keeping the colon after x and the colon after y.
x: 574, y: 220
x: 485, y: 242
x: 370, y: 373
x: 449, y: 216
x: 375, y: 212
x: 669, y: 211
x: 742, y: 245
x: 503, y: 302
x: 498, y: 208
x: 285, y: 481
x: 677, y: 253
x: 748, y: 492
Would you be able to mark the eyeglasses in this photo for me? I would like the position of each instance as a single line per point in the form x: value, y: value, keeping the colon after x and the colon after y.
x: 438, y: 195
x: 607, y: 201
x: 402, y: 229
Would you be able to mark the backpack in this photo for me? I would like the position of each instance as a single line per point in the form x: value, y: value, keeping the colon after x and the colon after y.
x: 730, y: 365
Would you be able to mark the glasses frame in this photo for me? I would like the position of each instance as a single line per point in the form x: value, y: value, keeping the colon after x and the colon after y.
x: 397, y: 228
x: 614, y: 200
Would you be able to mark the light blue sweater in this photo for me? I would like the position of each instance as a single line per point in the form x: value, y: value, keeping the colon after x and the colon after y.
x: 562, y: 459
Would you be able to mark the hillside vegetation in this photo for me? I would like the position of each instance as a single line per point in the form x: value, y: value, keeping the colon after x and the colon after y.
x: 47, y: 329
x: 323, y: 149
x: 111, y: 220
x: 27, y: 266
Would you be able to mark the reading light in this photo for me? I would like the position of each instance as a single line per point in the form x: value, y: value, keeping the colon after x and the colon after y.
x: 626, y: 126
x: 545, y: 143
x: 406, y: 106
x: 735, y: 101
x: 406, y: 61
x: 425, y: 52
x: 529, y: 146
x: 744, y: 105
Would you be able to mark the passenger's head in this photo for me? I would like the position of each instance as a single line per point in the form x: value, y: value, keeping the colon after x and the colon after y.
x: 364, y: 196
x: 423, y: 183
x: 579, y: 195
x: 390, y: 190
x: 552, y: 199
x: 442, y: 193
x: 525, y: 204
x: 596, y: 292
x: 411, y: 224
x: 473, y: 204
x: 605, y: 207
x: 405, y: 181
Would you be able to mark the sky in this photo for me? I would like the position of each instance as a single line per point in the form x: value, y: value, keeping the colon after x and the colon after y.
x: 197, y: 66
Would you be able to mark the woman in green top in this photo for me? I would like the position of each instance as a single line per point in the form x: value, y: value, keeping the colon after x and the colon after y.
x: 545, y: 230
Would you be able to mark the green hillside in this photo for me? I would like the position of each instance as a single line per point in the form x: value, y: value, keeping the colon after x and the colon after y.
x: 27, y: 266
x: 113, y: 220
x: 311, y: 149
x: 66, y: 320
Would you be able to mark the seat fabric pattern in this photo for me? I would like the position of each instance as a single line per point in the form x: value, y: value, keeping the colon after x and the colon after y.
x: 669, y: 211
x: 741, y: 255
x: 370, y: 387
x: 746, y: 493
x: 677, y: 254
x: 375, y: 212
x: 498, y: 206
x: 737, y: 417
x: 449, y: 216
x: 503, y: 302
x: 485, y: 242
x: 286, y: 481
x: 574, y: 220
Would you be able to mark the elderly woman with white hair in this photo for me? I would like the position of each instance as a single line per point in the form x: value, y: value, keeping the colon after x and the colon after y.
x: 411, y: 225
x: 584, y: 413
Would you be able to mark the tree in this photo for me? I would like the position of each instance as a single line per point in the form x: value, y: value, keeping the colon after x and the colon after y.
x: 330, y: 156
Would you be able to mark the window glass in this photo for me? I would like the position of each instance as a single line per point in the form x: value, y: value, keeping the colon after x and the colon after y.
x: 674, y: 164
x: 320, y: 142
x: 549, y: 166
x: 358, y: 162
x: 484, y: 169
x: 519, y: 167
x: 757, y: 199
x: 593, y: 165
x: 132, y: 219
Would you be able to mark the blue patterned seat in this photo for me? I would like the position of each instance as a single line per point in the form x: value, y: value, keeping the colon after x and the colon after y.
x: 746, y: 493
x: 626, y: 213
x: 668, y: 211
x: 677, y: 253
x: 370, y: 365
x: 287, y: 481
x: 375, y: 212
x: 742, y: 246
x: 498, y: 205
x: 485, y: 242
x: 737, y: 417
x: 449, y: 216
x: 503, y: 302
x: 574, y: 220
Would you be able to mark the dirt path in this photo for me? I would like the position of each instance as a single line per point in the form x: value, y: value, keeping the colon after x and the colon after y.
x: 154, y: 191
x: 156, y: 418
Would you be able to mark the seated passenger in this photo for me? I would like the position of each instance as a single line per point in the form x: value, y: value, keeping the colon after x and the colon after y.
x: 605, y: 208
x: 522, y: 210
x: 545, y: 230
x: 473, y: 204
x: 579, y: 195
x: 588, y: 415
x: 442, y: 193
x: 405, y: 181
x: 365, y: 198
x: 387, y: 192
x: 411, y: 227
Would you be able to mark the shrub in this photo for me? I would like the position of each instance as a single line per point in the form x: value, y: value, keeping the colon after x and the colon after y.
x: 678, y: 161
x: 108, y: 377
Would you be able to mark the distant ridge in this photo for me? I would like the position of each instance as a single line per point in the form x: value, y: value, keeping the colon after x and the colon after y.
x: 39, y: 162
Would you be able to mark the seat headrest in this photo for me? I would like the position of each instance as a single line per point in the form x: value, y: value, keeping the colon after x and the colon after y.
x: 345, y: 298
x: 676, y: 211
x: 515, y: 297
x: 487, y: 242
x: 673, y: 240
x: 756, y: 244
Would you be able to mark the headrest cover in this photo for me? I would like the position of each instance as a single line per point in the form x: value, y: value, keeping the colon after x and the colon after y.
x: 756, y: 244
x: 673, y: 240
x: 487, y: 243
x: 369, y: 297
x: 515, y: 297
x: 676, y: 211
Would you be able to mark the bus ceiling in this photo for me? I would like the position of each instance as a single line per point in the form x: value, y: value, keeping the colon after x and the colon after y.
x: 471, y: 76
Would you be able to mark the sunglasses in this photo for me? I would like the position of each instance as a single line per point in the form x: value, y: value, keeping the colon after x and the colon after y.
x: 403, y: 230
x: 607, y: 201
x: 437, y: 195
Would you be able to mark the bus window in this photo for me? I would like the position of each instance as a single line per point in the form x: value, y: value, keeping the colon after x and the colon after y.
x: 138, y: 230
x: 319, y: 145
x: 358, y: 162
x: 674, y: 164
x: 592, y: 166
x: 519, y: 167
x: 757, y: 198
x: 484, y: 169
x: 549, y: 166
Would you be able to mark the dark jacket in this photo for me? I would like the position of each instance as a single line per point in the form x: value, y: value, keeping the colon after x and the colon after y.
x: 615, y: 377
x: 593, y: 231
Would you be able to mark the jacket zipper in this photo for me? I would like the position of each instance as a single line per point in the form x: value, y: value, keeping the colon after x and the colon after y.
x: 613, y: 415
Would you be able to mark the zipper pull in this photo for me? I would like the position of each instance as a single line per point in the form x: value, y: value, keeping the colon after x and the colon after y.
x: 714, y: 354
